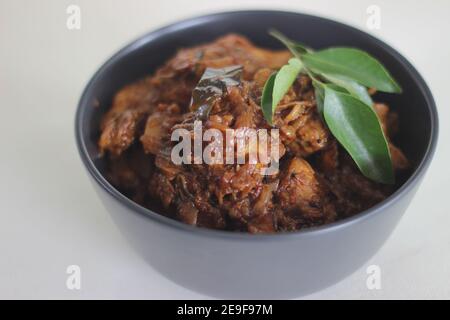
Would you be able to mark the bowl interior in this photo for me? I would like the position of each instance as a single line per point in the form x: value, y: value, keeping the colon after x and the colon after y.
x: 144, y: 55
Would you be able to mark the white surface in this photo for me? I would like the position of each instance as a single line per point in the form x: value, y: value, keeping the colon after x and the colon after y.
x: 50, y: 216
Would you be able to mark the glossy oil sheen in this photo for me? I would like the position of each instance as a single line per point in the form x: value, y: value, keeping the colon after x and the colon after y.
x: 232, y: 265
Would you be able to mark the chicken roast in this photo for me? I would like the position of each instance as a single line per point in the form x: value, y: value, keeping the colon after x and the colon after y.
x: 318, y: 182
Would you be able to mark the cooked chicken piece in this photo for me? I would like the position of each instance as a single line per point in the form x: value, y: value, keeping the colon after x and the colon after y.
x: 301, y: 193
x: 226, y: 51
x: 120, y: 131
x: 262, y: 219
x: 128, y: 112
x: 311, y: 137
x: 239, y: 181
x: 161, y: 188
x: 262, y: 224
x: 399, y: 161
x: 329, y: 158
x: 139, y: 95
x: 187, y: 212
x: 157, y: 128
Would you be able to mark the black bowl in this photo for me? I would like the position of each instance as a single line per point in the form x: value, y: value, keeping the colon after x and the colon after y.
x: 227, y: 264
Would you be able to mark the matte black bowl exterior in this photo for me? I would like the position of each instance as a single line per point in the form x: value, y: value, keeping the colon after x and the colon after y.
x: 232, y: 265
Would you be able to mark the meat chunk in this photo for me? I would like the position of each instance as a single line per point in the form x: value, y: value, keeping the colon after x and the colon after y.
x: 120, y: 131
x: 399, y: 161
x: 329, y: 158
x: 187, y: 212
x: 161, y: 188
x: 134, y: 96
x: 158, y: 127
x: 310, y: 138
x: 230, y: 50
x: 262, y: 220
x: 121, y: 124
x: 302, y: 194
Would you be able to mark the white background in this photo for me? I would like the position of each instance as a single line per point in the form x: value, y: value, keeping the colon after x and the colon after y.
x: 50, y: 216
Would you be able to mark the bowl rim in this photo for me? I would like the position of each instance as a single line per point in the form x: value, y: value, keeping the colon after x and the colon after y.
x: 231, y: 235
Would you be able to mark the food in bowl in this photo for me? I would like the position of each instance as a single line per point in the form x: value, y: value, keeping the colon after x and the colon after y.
x: 223, y: 85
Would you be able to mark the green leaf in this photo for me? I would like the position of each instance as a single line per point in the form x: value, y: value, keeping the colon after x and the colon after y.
x: 336, y: 87
x: 284, y: 80
x: 319, y: 92
x: 354, y: 88
x: 275, y: 89
x: 356, y: 126
x: 296, y: 48
x: 354, y: 64
x: 266, y: 98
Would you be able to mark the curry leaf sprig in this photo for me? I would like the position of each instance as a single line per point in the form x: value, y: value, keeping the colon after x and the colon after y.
x: 340, y: 77
x: 277, y: 85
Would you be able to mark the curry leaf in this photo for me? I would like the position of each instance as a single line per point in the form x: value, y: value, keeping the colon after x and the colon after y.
x: 277, y: 86
x: 284, y: 80
x: 354, y: 88
x: 356, y: 126
x: 212, y: 85
x: 340, y: 77
x: 266, y: 98
x: 319, y: 92
x: 354, y: 64
x: 336, y: 87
